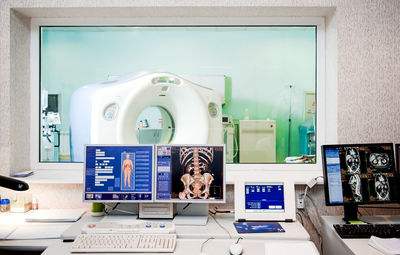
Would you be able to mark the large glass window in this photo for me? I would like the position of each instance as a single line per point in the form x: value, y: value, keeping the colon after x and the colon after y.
x: 264, y: 76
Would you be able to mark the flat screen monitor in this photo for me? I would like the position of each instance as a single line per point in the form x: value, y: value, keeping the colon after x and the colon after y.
x: 190, y: 173
x: 357, y: 174
x: 397, y: 151
x: 263, y: 197
x: 118, y: 173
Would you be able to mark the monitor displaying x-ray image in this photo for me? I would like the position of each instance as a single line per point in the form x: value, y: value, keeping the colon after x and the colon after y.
x: 190, y: 173
x: 118, y: 173
x: 359, y: 174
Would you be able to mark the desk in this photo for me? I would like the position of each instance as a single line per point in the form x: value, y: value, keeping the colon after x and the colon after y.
x: 212, y: 247
x: 190, y: 238
x: 294, y: 230
x: 189, y: 241
x: 18, y: 219
x: 333, y: 244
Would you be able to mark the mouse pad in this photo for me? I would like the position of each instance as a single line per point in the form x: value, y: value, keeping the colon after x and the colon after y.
x: 258, y: 227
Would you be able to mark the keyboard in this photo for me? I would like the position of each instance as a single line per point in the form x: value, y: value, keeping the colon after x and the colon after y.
x: 124, y: 243
x: 368, y: 230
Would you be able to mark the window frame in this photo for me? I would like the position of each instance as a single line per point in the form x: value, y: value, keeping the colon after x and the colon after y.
x: 300, y: 173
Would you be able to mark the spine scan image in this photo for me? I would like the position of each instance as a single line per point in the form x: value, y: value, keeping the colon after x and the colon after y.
x: 355, y: 184
x: 197, y: 178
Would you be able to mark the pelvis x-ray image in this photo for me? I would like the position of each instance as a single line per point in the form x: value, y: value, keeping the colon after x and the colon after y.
x: 382, y: 187
x: 355, y: 185
x: 379, y: 160
x: 353, y: 161
x: 197, y: 178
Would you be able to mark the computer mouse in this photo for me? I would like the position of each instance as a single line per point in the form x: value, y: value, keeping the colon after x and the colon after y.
x: 235, y: 249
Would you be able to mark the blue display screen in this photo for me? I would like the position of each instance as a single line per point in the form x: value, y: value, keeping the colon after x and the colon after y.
x: 264, y: 197
x: 163, y: 172
x: 334, y: 175
x: 118, y: 173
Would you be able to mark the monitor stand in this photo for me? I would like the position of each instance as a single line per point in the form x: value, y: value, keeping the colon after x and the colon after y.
x: 156, y: 210
x: 350, y: 212
x: 191, y: 215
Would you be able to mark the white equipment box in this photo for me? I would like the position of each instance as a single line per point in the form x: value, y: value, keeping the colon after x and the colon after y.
x: 257, y: 141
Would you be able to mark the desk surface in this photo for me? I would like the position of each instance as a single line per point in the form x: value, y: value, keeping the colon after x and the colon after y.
x: 189, y: 237
x: 217, y: 247
x: 333, y: 243
x: 18, y: 219
x: 293, y: 230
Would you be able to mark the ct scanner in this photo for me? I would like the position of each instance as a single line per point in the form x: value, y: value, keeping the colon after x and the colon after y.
x: 107, y: 113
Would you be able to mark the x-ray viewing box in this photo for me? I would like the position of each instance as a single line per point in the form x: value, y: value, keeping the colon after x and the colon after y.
x: 161, y: 173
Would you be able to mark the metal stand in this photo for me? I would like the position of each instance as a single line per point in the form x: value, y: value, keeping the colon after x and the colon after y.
x: 191, y: 214
x: 350, y: 212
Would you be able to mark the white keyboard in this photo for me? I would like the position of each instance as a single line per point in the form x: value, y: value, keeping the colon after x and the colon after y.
x: 124, y: 243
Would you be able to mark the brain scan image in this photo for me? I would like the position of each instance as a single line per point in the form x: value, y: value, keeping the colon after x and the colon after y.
x: 379, y: 160
x: 382, y: 187
x: 355, y: 185
x: 353, y: 161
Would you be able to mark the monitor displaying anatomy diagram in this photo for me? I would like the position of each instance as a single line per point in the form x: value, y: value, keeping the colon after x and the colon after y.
x: 190, y: 173
x: 118, y: 173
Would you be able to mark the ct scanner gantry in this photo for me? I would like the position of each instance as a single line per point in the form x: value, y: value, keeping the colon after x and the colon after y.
x: 107, y: 113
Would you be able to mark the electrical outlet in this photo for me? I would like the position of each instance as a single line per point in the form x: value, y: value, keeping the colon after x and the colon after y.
x: 300, y: 202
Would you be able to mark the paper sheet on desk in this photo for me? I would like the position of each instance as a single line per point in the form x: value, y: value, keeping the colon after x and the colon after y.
x: 38, y: 231
x: 5, y: 231
x: 54, y: 215
x: 385, y: 245
x: 289, y: 248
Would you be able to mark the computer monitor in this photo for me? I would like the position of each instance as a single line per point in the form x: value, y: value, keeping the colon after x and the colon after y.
x: 357, y: 174
x: 118, y: 173
x: 264, y: 198
x: 190, y: 173
x: 397, y: 156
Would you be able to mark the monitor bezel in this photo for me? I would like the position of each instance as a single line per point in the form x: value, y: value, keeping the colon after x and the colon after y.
x: 194, y: 201
x: 289, y: 213
x: 118, y: 201
x: 263, y: 183
x: 324, y: 170
x: 397, y: 170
